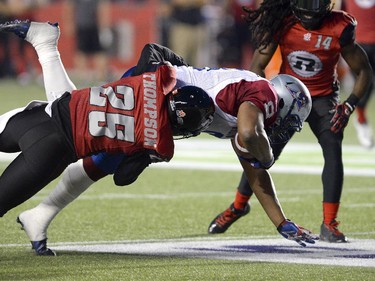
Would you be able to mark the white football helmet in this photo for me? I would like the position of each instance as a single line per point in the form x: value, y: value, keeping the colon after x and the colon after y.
x: 293, y: 108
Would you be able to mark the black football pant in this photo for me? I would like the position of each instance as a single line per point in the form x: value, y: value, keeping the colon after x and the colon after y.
x: 44, y: 156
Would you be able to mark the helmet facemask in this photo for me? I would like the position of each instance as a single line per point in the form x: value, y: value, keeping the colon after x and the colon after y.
x: 284, y: 128
x: 311, y: 12
x: 293, y: 108
x: 190, y: 110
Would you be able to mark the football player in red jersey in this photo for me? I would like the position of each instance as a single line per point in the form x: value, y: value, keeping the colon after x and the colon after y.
x: 311, y: 37
x: 137, y: 115
x: 243, y: 101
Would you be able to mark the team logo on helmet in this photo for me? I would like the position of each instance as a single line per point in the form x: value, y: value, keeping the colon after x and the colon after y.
x: 180, y: 115
x: 300, y: 98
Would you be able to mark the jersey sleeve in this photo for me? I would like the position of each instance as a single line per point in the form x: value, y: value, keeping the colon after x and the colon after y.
x: 259, y: 92
x: 348, y: 35
x: 152, y: 54
x: 265, y: 98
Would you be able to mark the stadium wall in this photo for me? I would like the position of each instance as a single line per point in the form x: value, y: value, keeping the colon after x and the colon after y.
x: 133, y: 25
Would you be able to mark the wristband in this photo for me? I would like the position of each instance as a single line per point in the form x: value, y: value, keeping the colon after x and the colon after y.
x: 256, y: 164
x: 269, y: 163
x: 352, y: 100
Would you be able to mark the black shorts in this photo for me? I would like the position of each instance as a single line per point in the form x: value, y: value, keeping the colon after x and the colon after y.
x: 321, y: 113
x: 88, y: 40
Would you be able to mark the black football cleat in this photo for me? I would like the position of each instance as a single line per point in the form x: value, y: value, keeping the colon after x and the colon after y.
x: 224, y: 220
x: 40, y: 248
x: 330, y: 233
x: 18, y: 27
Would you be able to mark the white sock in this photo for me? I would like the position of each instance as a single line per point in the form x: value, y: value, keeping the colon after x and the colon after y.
x: 74, y: 181
x: 56, y: 80
x: 44, y: 38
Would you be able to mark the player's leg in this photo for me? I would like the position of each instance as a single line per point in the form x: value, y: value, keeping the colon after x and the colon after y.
x: 44, y: 146
x: 332, y: 178
x: 35, y: 221
x: 239, y: 208
x: 333, y: 170
x: 44, y: 38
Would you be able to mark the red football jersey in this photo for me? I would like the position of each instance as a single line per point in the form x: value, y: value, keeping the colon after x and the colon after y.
x: 127, y: 115
x: 312, y: 55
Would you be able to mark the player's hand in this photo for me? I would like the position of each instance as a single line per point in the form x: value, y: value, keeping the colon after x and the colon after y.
x: 156, y: 157
x: 341, y: 116
x: 292, y: 231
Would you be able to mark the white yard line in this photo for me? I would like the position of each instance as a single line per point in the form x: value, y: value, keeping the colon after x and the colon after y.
x: 359, y: 252
x: 297, y: 158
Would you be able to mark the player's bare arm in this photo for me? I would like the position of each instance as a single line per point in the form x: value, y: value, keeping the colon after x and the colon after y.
x: 357, y: 60
x: 261, y: 59
x: 251, y: 133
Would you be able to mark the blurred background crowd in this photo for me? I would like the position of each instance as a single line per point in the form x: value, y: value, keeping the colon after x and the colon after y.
x: 102, y: 38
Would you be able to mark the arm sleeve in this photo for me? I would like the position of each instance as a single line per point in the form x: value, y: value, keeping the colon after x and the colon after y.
x: 152, y: 54
x: 130, y: 168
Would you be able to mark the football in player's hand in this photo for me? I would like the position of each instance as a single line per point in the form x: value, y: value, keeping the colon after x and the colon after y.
x: 241, y: 151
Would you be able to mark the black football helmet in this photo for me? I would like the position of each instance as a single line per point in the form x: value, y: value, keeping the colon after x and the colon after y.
x: 311, y: 12
x: 191, y: 111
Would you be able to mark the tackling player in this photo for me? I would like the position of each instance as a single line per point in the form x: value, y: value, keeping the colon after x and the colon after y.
x: 243, y: 101
x: 133, y: 115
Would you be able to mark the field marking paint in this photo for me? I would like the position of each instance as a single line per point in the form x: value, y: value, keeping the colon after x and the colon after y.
x: 358, y: 252
x: 284, y: 196
x: 216, y: 154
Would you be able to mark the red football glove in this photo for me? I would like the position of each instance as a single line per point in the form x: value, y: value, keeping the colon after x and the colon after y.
x: 341, y: 116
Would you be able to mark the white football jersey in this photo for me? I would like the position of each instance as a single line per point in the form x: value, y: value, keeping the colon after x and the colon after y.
x: 228, y: 85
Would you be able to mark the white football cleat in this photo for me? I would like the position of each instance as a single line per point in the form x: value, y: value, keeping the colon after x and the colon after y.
x: 34, y: 228
x: 364, y: 134
x: 43, y: 33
